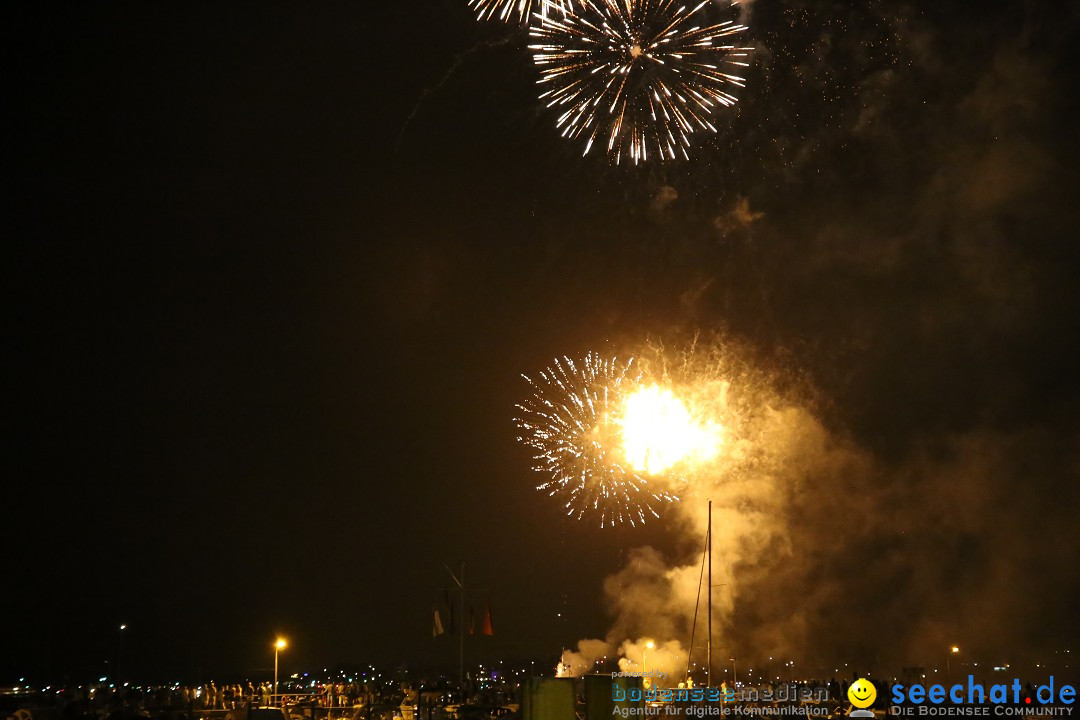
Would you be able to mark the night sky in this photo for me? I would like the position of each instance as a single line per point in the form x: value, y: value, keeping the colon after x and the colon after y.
x: 273, y: 271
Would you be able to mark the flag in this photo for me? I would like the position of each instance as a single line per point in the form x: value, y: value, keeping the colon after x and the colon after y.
x: 437, y: 628
x: 488, y: 628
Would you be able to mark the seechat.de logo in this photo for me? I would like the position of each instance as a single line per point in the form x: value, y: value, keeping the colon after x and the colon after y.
x: 862, y: 695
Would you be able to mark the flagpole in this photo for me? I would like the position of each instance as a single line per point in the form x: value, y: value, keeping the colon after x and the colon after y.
x: 460, y: 581
x: 709, y: 544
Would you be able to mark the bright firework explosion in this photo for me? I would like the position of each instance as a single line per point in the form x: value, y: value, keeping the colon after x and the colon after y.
x: 522, y: 9
x: 601, y: 437
x: 640, y: 75
x: 658, y: 432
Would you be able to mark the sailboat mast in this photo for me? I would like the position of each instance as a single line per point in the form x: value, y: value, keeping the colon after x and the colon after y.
x: 708, y: 544
x: 461, y: 646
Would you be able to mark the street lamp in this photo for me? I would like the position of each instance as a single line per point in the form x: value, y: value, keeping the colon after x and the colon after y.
x: 644, y: 667
x: 948, y: 669
x: 279, y: 645
x: 120, y: 655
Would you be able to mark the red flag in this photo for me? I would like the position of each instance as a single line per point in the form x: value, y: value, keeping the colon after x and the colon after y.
x: 436, y: 627
x: 488, y: 628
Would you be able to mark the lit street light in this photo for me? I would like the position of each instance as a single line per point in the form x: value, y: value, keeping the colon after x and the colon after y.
x: 948, y: 669
x: 644, y: 667
x: 120, y: 655
x: 279, y: 645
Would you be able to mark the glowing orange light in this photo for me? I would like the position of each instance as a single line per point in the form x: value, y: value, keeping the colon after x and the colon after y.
x: 658, y: 432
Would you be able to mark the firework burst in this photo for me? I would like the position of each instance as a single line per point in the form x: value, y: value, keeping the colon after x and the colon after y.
x: 639, y: 76
x: 515, y: 10
x: 572, y: 422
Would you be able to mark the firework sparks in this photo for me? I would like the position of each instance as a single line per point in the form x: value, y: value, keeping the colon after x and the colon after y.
x: 639, y: 76
x: 515, y: 10
x: 572, y: 424
x: 621, y: 439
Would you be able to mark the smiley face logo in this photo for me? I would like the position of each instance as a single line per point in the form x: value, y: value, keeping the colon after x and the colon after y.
x: 862, y: 693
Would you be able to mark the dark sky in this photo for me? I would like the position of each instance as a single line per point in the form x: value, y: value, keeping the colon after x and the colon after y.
x: 273, y: 271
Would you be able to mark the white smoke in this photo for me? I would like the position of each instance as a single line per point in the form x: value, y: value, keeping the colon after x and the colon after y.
x: 663, y: 661
x: 585, y: 658
x: 771, y: 447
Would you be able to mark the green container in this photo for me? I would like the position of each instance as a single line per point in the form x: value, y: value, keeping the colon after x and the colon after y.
x: 548, y: 699
x: 600, y: 694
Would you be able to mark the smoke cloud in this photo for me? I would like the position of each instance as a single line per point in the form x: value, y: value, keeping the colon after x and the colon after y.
x: 921, y: 494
